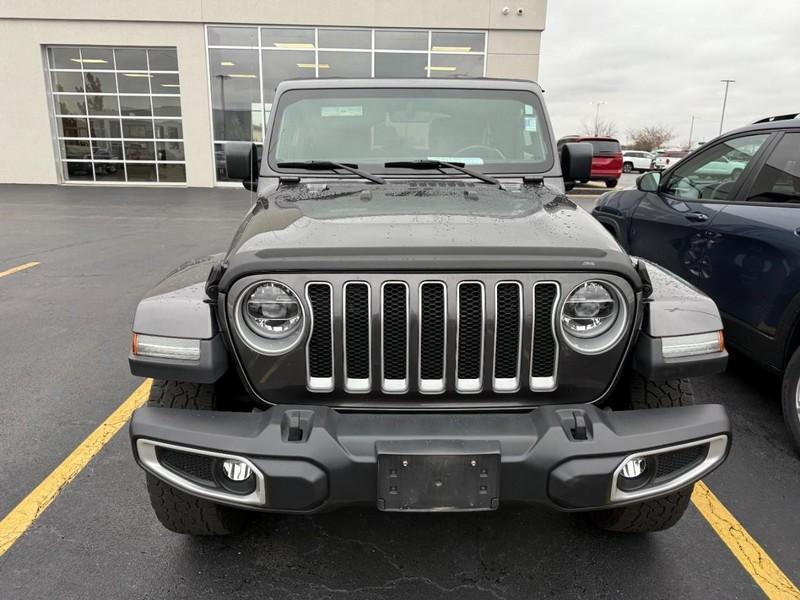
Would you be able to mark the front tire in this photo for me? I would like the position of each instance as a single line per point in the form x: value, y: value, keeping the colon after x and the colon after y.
x: 176, y: 510
x: 790, y: 398
x: 660, y: 513
x: 627, y: 167
x: 611, y: 183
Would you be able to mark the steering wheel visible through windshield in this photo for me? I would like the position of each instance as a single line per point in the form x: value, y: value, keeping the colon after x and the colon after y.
x: 493, y: 131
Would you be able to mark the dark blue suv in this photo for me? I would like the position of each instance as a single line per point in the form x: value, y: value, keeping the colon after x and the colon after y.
x: 727, y: 219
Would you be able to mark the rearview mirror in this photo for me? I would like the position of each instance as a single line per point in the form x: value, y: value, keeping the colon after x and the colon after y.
x: 241, y: 162
x: 576, y: 161
x: 648, y: 182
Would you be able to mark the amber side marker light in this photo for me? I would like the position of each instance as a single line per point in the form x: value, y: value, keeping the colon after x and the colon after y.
x: 680, y: 346
x: 152, y: 346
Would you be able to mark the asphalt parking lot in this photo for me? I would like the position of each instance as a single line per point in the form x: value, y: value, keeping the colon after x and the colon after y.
x: 64, y: 337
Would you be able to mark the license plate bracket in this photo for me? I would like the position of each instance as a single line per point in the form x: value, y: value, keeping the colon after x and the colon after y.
x: 435, y: 476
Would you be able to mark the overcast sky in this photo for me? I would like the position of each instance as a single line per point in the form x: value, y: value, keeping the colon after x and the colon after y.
x: 660, y: 63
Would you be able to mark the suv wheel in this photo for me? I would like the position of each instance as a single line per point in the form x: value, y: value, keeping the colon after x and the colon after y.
x: 175, y: 509
x: 658, y: 513
x: 790, y: 394
x: 611, y: 183
x: 627, y: 167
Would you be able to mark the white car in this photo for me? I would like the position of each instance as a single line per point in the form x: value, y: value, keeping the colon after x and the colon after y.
x: 636, y: 160
x: 668, y: 158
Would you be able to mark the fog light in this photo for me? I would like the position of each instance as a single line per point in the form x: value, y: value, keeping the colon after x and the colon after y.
x: 634, y: 468
x: 235, y: 470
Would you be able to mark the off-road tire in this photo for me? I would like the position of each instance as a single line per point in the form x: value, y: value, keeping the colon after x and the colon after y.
x: 659, y: 513
x: 789, y: 398
x: 177, y: 510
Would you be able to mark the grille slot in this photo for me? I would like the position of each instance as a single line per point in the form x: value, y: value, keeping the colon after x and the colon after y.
x: 469, y: 351
x: 319, y: 351
x: 544, y: 344
x: 432, y: 337
x: 357, y: 337
x: 669, y: 463
x: 507, y: 336
x: 394, y: 337
x: 194, y: 466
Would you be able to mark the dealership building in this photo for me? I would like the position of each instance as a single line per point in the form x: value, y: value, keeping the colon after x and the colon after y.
x: 149, y: 92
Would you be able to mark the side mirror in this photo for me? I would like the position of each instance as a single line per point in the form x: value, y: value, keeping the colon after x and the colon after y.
x: 648, y: 182
x: 241, y: 162
x: 576, y: 161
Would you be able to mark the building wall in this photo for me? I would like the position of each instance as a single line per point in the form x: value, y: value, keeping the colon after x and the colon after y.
x: 28, y: 153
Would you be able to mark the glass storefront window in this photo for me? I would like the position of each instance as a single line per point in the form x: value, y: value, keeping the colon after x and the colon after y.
x: 246, y: 64
x: 110, y: 105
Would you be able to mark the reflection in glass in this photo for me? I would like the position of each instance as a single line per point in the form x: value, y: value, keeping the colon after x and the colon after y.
x: 141, y: 171
x: 135, y: 106
x: 65, y: 58
x: 345, y: 64
x: 69, y: 105
x: 75, y: 149
x: 455, y: 65
x: 166, y: 106
x: 169, y: 130
x: 172, y: 173
x: 284, y: 37
x: 97, y: 59
x: 232, y: 36
x: 400, y: 65
x: 72, y: 127
x: 105, y: 128
x: 356, y: 39
x: 165, y: 83
x: 169, y: 150
x: 451, y: 41
x: 134, y: 83
x: 109, y: 171
x: 288, y: 64
x: 100, y: 82
x: 67, y: 81
x: 102, y: 105
x: 134, y: 59
x: 137, y: 128
x: 139, y: 151
x: 77, y: 171
x: 106, y: 150
x: 234, y: 92
x: 165, y: 59
x: 399, y: 39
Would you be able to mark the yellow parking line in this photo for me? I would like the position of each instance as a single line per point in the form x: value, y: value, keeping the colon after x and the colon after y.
x: 13, y: 270
x: 22, y: 516
x: 768, y: 576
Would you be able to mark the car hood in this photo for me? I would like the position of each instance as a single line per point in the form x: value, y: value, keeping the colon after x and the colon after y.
x: 420, y: 226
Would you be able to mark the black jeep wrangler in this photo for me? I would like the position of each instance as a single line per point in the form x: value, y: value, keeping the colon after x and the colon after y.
x: 414, y: 316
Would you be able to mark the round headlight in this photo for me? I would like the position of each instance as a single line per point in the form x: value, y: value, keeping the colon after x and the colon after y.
x: 590, y: 310
x: 272, y: 310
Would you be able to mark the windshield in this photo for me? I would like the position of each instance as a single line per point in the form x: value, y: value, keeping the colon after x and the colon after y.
x: 494, y: 131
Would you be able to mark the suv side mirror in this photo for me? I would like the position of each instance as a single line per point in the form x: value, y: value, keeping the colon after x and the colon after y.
x: 576, y: 161
x: 241, y: 162
x: 648, y: 182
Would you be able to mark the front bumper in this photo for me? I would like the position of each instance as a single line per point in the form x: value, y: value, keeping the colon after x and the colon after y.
x: 309, y: 459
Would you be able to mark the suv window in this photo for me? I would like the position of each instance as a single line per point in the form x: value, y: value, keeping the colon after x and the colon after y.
x: 779, y: 179
x: 711, y: 175
x: 605, y: 146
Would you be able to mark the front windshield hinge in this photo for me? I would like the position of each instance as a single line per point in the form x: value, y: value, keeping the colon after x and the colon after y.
x: 530, y: 180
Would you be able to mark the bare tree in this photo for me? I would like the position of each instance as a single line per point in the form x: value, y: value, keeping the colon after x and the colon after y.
x: 650, y: 138
x: 599, y: 128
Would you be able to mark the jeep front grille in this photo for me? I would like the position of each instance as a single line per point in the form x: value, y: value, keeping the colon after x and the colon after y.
x: 431, y: 336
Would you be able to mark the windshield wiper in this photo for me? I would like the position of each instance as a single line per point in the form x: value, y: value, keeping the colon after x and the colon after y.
x: 440, y: 164
x: 329, y: 165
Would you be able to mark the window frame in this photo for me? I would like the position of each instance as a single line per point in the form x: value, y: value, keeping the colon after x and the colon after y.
x: 777, y: 137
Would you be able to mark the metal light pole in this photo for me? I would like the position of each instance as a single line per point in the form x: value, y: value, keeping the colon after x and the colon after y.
x: 727, y: 83
x: 691, y: 131
x: 597, y: 117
